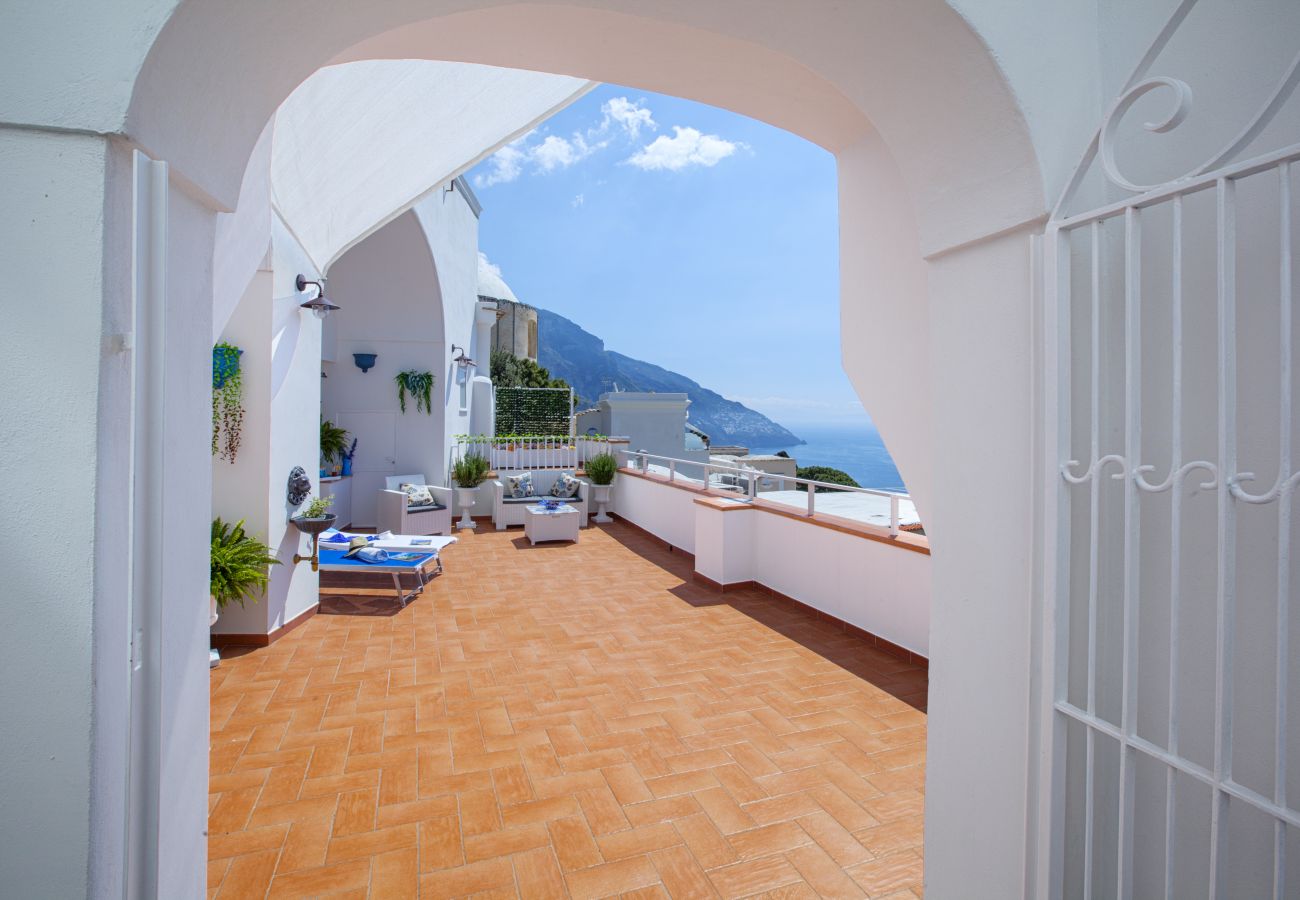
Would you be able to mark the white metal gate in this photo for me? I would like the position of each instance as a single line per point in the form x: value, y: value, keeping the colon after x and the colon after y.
x: 1171, y: 331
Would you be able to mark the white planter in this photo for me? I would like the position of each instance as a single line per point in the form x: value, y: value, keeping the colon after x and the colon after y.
x: 214, y: 655
x: 465, y: 497
x: 600, y: 493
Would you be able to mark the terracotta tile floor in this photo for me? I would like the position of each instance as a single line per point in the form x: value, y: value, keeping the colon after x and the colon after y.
x: 567, y: 720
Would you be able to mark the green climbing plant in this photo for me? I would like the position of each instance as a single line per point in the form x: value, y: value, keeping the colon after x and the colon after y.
x: 419, y: 385
x: 227, y: 401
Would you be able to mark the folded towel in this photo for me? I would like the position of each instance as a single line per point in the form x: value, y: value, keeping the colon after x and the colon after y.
x: 372, y: 555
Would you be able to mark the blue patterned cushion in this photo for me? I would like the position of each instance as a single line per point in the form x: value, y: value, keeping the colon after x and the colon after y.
x: 418, y: 495
x: 565, y: 486
x: 520, y: 486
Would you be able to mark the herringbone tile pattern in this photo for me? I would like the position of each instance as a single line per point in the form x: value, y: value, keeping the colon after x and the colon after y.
x: 567, y: 720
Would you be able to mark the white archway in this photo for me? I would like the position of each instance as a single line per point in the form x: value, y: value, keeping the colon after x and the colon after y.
x: 934, y: 156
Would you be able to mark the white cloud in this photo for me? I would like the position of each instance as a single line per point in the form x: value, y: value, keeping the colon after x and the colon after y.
x: 558, y: 153
x: 577, y: 201
x: 622, y: 121
x: 628, y: 114
x: 486, y: 264
x: 507, y: 165
x: 552, y: 153
x: 688, y: 147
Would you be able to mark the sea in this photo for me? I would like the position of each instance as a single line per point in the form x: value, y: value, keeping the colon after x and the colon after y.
x: 853, y: 448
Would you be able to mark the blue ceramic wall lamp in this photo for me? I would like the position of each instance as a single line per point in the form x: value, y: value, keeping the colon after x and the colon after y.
x: 365, y: 361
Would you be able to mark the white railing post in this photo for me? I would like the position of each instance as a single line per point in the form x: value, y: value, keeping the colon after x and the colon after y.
x: 753, y: 485
x: 893, y: 515
x: 812, y: 492
x: 672, y: 470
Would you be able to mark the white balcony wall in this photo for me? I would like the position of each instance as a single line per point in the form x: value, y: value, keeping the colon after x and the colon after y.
x: 877, y: 587
x: 874, y: 585
x: 665, y: 512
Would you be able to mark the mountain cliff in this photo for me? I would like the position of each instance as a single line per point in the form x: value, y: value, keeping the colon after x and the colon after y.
x: 580, y: 358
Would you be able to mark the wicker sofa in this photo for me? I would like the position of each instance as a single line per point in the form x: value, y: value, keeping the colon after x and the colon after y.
x: 395, y: 516
x: 507, y: 511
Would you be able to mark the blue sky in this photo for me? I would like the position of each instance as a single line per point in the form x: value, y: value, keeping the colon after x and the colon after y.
x: 685, y: 235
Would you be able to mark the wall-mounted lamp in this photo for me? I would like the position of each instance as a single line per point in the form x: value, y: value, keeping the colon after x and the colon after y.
x: 365, y: 361
x: 463, y: 361
x: 319, y: 305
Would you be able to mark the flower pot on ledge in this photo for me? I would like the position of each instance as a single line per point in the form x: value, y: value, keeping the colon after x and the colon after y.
x: 600, y: 493
x: 466, y: 496
x: 314, y: 527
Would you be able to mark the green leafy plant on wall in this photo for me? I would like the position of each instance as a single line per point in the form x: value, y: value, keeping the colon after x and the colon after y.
x: 227, y: 401
x: 240, y: 564
x: 333, y: 441
x: 419, y: 385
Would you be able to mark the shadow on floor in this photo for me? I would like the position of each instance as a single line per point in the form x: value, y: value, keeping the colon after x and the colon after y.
x: 900, y: 678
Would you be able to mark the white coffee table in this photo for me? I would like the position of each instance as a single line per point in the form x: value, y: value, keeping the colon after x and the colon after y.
x: 559, y: 524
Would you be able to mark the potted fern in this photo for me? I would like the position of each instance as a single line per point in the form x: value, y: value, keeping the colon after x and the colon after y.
x: 601, y: 469
x: 239, y: 568
x: 468, y: 472
x: 333, y: 444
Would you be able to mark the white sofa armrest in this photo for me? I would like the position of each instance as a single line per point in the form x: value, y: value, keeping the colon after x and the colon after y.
x: 439, y: 491
x: 392, y: 511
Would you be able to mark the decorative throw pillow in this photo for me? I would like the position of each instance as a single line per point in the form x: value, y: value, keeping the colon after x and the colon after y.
x: 417, y: 495
x: 520, y: 485
x: 565, y: 486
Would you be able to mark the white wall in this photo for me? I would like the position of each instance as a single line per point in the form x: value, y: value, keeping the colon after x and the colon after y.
x: 183, y: 672
x: 450, y: 226
x: 295, y: 426
x: 653, y: 422
x: 980, y: 637
x: 407, y: 292
x: 281, y: 429
x: 391, y: 304
x: 665, y: 512
x: 870, y: 584
x: 48, y: 437
x: 240, y: 488
x: 882, y: 589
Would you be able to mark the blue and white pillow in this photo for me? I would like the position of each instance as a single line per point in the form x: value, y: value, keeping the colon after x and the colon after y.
x: 565, y: 486
x: 418, y: 495
x: 520, y: 486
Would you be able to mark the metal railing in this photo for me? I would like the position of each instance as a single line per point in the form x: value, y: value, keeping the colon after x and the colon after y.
x: 530, y: 451
x: 746, y: 481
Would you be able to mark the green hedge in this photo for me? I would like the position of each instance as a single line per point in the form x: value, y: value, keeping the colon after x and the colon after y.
x: 533, y: 410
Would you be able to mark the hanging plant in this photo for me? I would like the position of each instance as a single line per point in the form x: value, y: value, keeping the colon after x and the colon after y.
x: 419, y: 385
x: 227, y: 401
